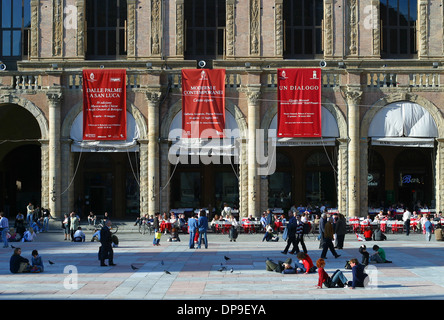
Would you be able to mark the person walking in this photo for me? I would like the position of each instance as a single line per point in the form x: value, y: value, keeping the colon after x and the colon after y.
x: 328, y: 241
x: 4, y: 228
x: 291, y: 235
x: 300, y: 235
x: 340, y: 230
x: 202, y: 225
x: 428, y: 227
x: 322, y: 223
x: 106, y: 250
x: 406, y: 218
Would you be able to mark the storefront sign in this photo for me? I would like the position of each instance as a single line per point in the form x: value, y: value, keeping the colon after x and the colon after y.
x: 299, y: 103
x: 104, y: 104
x: 203, y: 103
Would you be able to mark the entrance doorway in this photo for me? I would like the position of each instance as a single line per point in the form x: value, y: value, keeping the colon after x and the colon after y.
x: 108, y: 182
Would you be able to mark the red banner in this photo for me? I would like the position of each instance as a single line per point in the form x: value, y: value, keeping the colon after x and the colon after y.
x: 203, y: 103
x: 104, y: 104
x: 299, y: 103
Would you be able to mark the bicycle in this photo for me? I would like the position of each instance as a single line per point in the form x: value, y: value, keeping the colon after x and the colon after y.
x: 145, y: 227
x: 114, y: 226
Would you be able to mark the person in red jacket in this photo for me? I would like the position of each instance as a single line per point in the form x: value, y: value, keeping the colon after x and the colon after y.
x: 336, y: 280
x: 305, y: 263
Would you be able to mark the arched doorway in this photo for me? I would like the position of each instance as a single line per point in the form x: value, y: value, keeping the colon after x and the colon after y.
x: 20, y: 160
x: 206, y: 171
x: 306, y: 168
x: 403, y: 135
x: 108, y: 174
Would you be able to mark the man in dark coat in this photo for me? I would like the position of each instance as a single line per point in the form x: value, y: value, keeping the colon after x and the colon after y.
x: 106, y: 250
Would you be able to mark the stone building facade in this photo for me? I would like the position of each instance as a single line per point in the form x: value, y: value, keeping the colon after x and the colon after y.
x: 377, y: 58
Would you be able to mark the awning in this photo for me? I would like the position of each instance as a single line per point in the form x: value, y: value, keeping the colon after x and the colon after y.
x: 303, y: 142
x: 404, y: 142
x: 403, y: 119
x: 129, y: 145
x: 205, y: 147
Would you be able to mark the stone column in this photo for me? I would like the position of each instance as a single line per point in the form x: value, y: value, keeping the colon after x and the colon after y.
x: 153, y: 98
x: 439, y: 176
x: 342, y: 176
x: 353, y: 96
x: 54, y: 101
x: 143, y: 187
x: 253, y: 93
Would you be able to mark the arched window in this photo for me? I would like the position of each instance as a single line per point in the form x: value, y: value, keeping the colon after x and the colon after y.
x: 399, y: 19
x: 303, y: 28
x: 106, y: 22
x: 15, y: 22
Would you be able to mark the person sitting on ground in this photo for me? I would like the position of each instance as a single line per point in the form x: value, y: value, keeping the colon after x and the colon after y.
x: 359, y: 275
x: 269, y: 235
x: 18, y: 264
x: 379, y: 255
x: 378, y: 235
x: 96, y: 235
x: 174, y: 236
x: 13, y: 235
x: 29, y: 235
x: 79, y: 235
x: 36, y: 262
x: 368, y: 233
x: 337, y: 280
x: 365, y: 255
x: 305, y: 264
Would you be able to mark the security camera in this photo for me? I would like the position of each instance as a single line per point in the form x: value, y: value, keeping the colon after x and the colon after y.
x: 201, y: 63
x: 2, y: 66
x: 323, y: 63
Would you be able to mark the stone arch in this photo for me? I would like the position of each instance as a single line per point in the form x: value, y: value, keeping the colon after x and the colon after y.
x: 32, y: 108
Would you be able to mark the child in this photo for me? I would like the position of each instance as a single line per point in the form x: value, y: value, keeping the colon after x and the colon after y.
x: 36, y: 262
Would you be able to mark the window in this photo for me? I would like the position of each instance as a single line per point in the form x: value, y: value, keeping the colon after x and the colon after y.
x: 15, y: 22
x: 204, y: 29
x: 399, y: 28
x: 106, y: 22
x: 303, y: 28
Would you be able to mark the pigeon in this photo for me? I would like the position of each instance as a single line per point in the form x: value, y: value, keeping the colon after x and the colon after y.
x: 167, y: 272
x: 226, y: 258
x: 50, y: 262
x: 222, y: 269
x: 133, y: 267
x: 231, y: 270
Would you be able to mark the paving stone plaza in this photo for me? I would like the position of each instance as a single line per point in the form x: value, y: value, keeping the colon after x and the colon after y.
x: 416, y: 271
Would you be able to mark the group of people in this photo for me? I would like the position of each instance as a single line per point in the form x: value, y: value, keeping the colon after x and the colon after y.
x: 19, y: 264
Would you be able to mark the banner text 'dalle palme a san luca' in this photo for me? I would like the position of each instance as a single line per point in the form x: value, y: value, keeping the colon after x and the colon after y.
x: 104, y: 104
x: 299, y: 103
x: 203, y: 103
